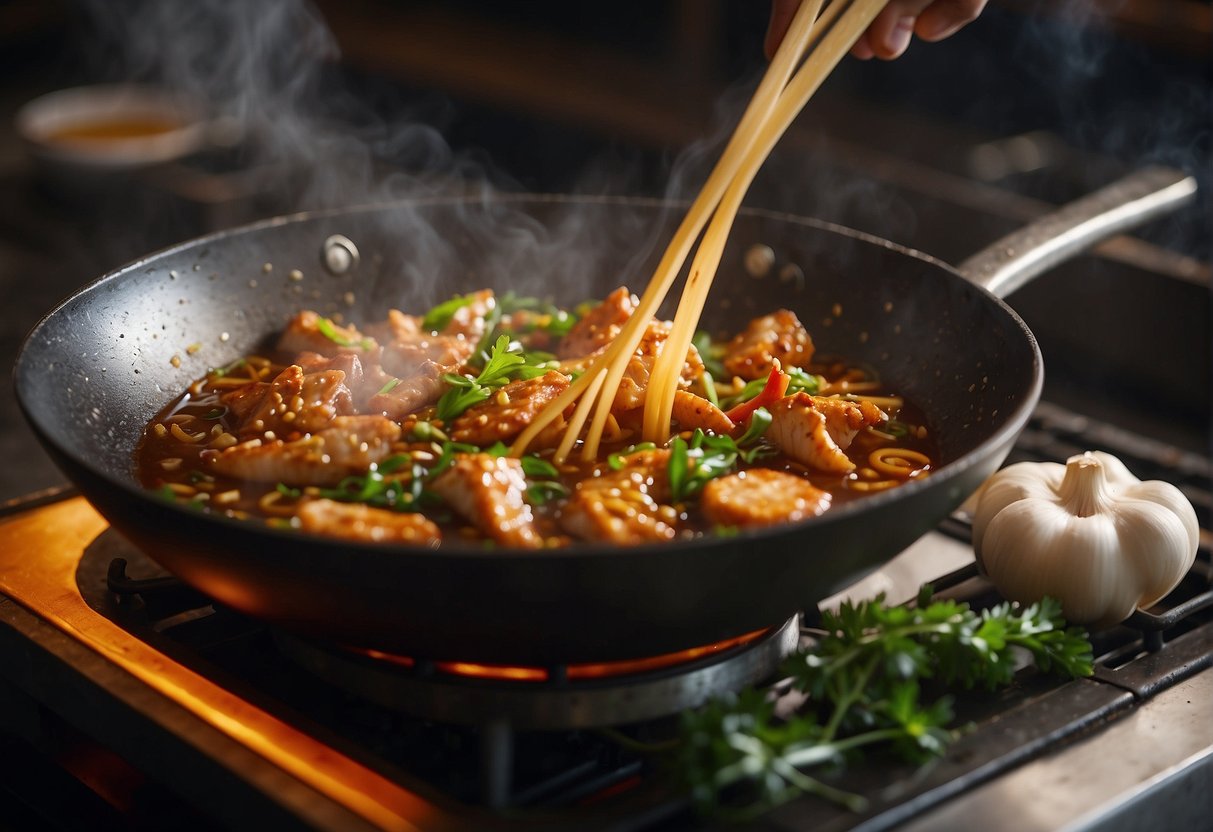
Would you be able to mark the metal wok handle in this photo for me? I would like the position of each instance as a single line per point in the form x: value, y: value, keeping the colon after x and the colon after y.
x: 1014, y: 260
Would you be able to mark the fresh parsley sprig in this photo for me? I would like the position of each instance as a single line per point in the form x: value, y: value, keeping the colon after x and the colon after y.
x: 863, y: 680
x: 504, y: 364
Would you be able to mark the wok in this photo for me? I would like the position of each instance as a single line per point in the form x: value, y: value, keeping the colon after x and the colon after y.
x: 102, y: 364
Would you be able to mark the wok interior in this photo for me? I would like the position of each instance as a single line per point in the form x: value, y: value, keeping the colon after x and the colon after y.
x: 140, y: 336
x: 95, y: 372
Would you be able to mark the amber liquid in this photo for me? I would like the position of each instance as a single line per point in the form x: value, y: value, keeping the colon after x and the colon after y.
x: 111, y: 130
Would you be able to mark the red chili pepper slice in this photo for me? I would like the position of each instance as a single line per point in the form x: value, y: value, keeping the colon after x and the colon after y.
x: 772, y: 391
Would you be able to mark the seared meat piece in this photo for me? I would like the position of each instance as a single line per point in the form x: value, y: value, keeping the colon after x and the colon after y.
x: 422, y: 388
x: 624, y: 507
x: 761, y: 497
x: 356, y: 521
x: 404, y: 359
x: 363, y: 375
x: 413, y: 361
x: 801, y: 428
x: 347, y: 446
x: 691, y: 411
x: 303, y: 334
x: 346, y: 362
x: 600, y: 325
x: 469, y: 321
x: 509, y: 410
x: 397, y: 327
x: 489, y: 491
x: 635, y: 380
x: 778, y: 336
x: 845, y: 418
x: 294, y: 402
x: 417, y: 368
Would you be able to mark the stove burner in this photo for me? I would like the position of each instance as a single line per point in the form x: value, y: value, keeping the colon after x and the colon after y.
x: 557, y: 698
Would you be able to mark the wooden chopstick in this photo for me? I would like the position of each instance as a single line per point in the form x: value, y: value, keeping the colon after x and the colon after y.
x: 837, y: 30
x: 778, y: 99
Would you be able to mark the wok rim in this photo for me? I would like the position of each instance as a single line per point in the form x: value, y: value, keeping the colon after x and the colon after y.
x: 953, y: 469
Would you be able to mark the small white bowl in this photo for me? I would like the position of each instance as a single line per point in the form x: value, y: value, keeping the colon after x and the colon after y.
x: 111, y: 127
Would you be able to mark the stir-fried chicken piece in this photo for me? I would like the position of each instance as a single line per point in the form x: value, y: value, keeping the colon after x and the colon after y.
x: 599, y: 326
x: 470, y: 320
x: 404, y: 359
x: 304, y: 334
x: 691, y: 411
x: 413, y: 361
x: 635, y: 382
x: 349, y: 445
x: 413, y: 372
x: 778, y: 336
x: 816, y: 431
x: 294, y: 402
x: 509, y: 410
x: 761, y: 497
x: 625, y: 507
x: 398, y: 327
x: 399, y: 397
x: 363, y: 375
x: 490, y: 492
x: 357, y: 521
x: 844, y: 419
x: 346, y: 362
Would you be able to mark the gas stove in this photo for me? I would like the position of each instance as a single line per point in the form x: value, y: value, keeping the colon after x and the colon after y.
x: 134, y: 702
x: 129, y: 702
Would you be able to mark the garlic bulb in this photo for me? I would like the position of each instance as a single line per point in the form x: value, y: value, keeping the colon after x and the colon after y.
x: 1088, y: 533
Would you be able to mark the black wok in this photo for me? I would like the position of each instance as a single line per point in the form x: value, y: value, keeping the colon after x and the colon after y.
x: 100, y: 366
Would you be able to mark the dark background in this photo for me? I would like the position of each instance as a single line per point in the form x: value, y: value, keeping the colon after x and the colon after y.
x: 944, y: 150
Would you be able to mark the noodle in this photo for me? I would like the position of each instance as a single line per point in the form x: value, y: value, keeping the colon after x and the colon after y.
x: 233, y: 450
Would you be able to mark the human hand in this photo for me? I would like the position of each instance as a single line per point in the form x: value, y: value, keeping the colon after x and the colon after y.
x: 890, y: 33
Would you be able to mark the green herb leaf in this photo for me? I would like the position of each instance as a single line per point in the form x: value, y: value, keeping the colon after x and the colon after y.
x: 329, y: 330
x: 533, y: 466
x: 546, y: 317
x: 799, y: 382
x: 503, y: 364
x: 863, y: 681
x: 760, y: 420
x: 447, y: 457
x: 616, y: 461
x: 678, y: 467
x: 711, y: 354
x: 441, y: 315
x: 707, y: 456
x: 426, y: 432
x: 223, y: 371
x: 538, y: 493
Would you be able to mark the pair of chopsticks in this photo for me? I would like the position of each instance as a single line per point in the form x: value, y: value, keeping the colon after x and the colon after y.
x: 815, y: 42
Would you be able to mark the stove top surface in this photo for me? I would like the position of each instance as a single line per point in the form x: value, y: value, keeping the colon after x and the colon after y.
x: 194, y: 699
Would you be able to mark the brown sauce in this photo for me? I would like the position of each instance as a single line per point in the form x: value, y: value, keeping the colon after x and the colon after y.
x: 173, y: 456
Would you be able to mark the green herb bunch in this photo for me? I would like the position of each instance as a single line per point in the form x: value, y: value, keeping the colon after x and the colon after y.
x: 863, y: 683
x: 503, y: 365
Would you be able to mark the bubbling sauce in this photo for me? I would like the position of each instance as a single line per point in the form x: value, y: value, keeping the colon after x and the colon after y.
x: 399, y: 432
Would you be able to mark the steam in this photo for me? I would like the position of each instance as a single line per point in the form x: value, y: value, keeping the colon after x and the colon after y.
x: 272, y: 67
x: 1122, y: 100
